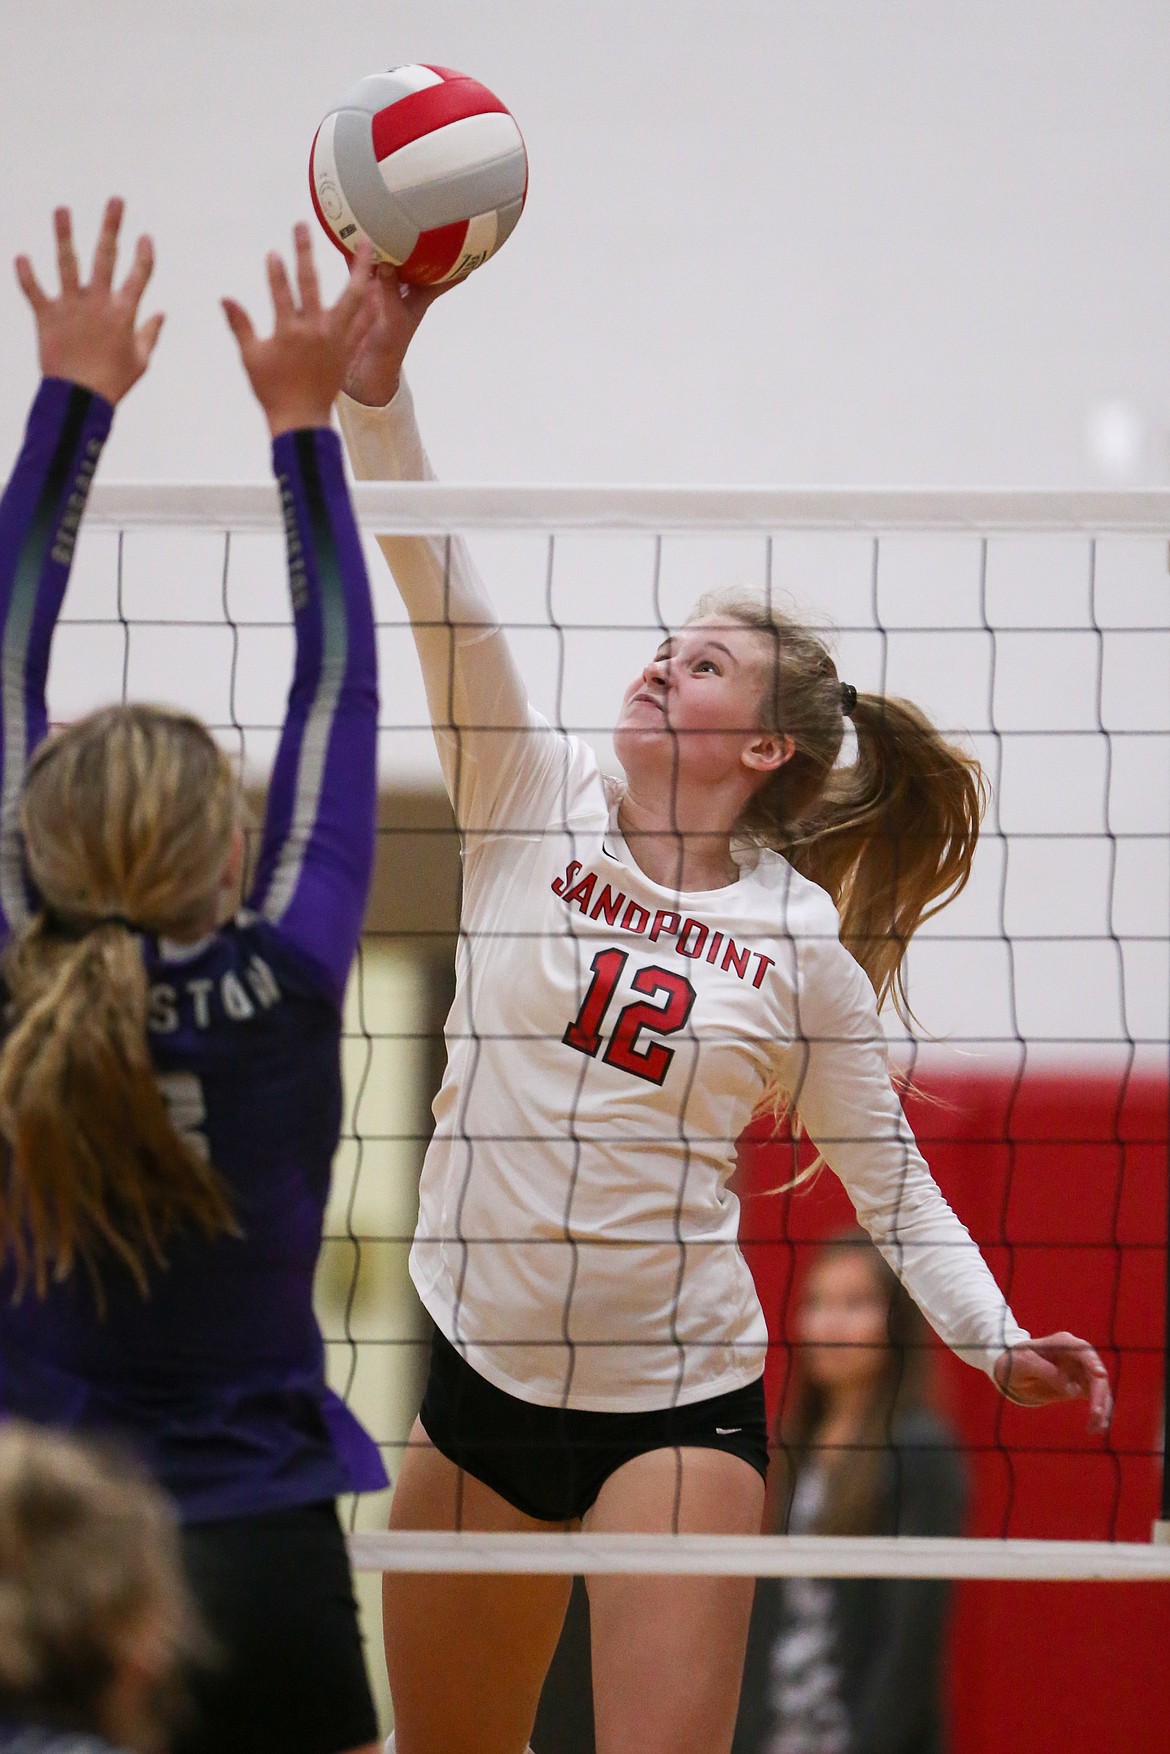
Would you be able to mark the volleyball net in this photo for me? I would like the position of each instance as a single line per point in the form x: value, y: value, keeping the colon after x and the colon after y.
x: 1032, y: 627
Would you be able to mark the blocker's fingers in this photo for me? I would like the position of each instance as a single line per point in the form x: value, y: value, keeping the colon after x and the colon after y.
x: 308, y: 285
x: 66, y: 254
x: 282, y: 298
x: 30, y: 285
x: 239, y: 322
x: 106, y: 252
x: 141, y: 270
x: 146, y: 338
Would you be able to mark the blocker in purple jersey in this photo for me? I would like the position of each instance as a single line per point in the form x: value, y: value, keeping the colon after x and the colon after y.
x: 427, y: 164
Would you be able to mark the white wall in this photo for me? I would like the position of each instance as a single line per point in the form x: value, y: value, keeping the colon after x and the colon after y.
x: 766, y: 240
x: 828, y: 242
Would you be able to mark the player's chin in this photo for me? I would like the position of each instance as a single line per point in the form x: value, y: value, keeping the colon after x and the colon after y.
x: 639, y: 736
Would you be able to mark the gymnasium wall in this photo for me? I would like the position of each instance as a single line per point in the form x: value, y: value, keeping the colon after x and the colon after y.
x: 765, y: 240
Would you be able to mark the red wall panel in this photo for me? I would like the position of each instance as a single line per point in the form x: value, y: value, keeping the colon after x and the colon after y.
x: 1062, y: 1178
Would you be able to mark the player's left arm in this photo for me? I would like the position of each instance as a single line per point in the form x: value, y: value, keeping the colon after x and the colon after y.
x: 317, y: 848
x: 92, y: 351
x: 839, y: 1077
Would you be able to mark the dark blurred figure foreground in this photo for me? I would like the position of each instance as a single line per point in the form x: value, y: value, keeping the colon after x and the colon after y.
x: 96, y: 1625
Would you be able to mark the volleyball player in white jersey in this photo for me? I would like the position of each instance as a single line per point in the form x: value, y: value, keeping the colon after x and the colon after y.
x: 638, y: 974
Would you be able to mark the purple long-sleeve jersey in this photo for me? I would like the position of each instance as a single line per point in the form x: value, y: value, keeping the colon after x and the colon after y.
x: 217, y: 1377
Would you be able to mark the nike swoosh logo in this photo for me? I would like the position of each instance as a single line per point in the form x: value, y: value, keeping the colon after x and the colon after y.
x: 727, y: 1430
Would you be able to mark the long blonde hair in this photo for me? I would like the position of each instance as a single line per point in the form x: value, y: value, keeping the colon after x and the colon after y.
x: 128, y: 818
x: 891, y: 837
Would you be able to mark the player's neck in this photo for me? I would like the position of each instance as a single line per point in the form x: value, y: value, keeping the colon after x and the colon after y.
x: 674, y: 851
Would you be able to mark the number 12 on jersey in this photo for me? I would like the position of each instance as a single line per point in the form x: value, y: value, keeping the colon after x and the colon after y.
x: 675, y: 997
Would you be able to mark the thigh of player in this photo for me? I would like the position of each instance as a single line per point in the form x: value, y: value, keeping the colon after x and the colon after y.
x: 668, y: 1651
x: 466, y: 1655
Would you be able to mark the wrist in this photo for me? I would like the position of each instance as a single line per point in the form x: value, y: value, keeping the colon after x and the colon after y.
x: 1001, y: 1372
x: 71, y: 382
x: 294, y: 419
x: 373, y: 397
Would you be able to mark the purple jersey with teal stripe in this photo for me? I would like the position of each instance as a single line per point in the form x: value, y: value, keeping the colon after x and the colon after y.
x: 217, y: 1378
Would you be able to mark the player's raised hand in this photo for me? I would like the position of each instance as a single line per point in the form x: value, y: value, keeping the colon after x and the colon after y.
x: 89, y: 333
x: 399, y: 308
x: 297, y: 371
x: 1058, y: 1367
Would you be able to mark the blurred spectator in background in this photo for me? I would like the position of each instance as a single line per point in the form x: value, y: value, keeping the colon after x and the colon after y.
x: 95, y: 1621
x: 853, y: 1666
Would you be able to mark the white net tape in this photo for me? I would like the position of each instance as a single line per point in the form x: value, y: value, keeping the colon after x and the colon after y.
x: 759, y: 1556
x: 439, y: 507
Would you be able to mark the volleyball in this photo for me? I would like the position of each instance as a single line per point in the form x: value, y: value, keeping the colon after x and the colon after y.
x: 427, y: 164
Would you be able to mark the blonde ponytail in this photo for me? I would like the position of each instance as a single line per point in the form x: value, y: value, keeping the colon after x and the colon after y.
x: 891, y: 836
x: 128, y: 820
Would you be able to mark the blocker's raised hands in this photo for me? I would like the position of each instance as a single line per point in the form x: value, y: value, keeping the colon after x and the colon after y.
x: 297, y: 372
x: 89, y: 333
x: 1058, y: 1367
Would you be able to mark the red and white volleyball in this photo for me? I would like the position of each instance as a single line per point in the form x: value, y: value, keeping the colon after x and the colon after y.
x: 426, y: 163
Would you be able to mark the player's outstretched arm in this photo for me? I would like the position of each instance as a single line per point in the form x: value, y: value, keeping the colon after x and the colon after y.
x: 490, y: 746
x: 317, y: 849
x: 92, y: 350
x: 838, y: 1075
x: 1058, y: 1367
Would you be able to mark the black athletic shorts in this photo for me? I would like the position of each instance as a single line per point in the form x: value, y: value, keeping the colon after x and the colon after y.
x: 551, y: 1462
x: 276, y: 1594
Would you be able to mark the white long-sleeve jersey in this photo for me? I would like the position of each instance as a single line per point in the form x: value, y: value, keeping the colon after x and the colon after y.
x: 610, y: 1039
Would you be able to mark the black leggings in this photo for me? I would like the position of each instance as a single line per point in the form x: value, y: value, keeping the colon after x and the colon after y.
x: 276, y: 1594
